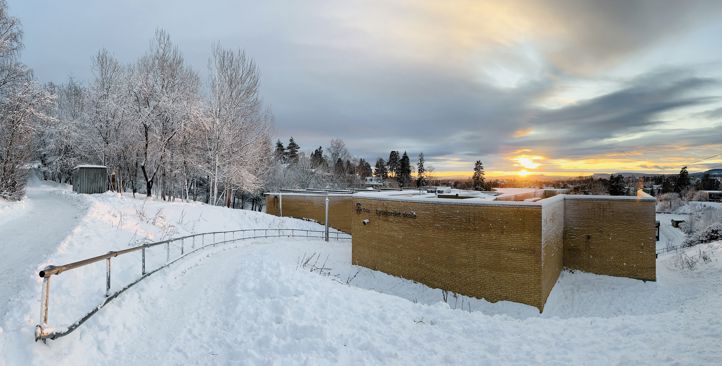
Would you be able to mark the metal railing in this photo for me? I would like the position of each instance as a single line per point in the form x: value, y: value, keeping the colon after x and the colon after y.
x: 43, y: 332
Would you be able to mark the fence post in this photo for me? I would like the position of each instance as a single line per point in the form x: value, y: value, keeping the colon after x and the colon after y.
x: 280, y: 202
x: 45, y: 301
x: 107, y: 277
x: 326, y: 229
x: 142, y: 272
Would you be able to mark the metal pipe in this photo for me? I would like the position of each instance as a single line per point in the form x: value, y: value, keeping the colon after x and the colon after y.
x: 142, y: 271
x: 107, y: 277
x: 326, y: 217
x: 45, y: 301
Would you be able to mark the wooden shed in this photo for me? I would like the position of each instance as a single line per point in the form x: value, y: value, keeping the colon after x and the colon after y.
x: 90, y: 179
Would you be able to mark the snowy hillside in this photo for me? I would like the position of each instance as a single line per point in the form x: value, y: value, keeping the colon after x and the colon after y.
x: 298, y: 301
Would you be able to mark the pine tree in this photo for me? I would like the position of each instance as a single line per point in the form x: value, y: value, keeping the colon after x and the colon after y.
x: 381, y: 170
x: 349, y: 168
x: 668, y: 184
x: 477, y: 179
x: 363, y: 169
x: 682, y: 180
x: 617, y: 186
x: 280, y: 153
x: 317, y: 159
x: 420, y: 172
x: 292, y: 151
x: 393, y: 163
x: 708, y: 183
x: 404, y: 171
x: 338, y: 168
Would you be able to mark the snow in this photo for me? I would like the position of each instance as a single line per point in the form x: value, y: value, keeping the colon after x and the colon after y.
x: 252, y: 303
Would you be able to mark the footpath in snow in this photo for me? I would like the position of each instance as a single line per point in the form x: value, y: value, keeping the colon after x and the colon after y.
x: 256, y: 302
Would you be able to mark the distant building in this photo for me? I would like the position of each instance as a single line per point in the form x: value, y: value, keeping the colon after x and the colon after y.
x: 373, y: 182
x: 90, y: 179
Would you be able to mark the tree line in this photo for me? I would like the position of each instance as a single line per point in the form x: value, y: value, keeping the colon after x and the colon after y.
x: 154, y: 123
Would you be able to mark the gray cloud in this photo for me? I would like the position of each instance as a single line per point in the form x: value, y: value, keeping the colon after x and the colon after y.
x: 406, y: 76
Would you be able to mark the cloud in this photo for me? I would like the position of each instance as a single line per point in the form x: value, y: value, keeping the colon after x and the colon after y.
x: 458, y: 80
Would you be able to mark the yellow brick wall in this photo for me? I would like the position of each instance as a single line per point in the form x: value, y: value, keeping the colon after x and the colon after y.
x: 552, y: 243
x: 485, y: 251
x: 613, y: 237
x: 313, y: 207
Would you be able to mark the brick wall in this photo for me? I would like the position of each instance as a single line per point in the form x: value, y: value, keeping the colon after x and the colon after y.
x: 487, y: 251
x: 552, y: 243
x: 313, y: 207
x: 495, y: 250
x: 610, y: 236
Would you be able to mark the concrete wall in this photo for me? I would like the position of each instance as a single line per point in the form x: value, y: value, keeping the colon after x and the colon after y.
x: 490, y: 251
x: 610, y: 235
x: 313, y: 207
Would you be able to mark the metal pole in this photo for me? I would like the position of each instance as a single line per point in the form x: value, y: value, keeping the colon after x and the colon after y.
x: 142, y: 272
x: 193, y: 244
x: 107, y: 277
x: 280, y: 202
x: 182, y: 249
x: 167, y: 252
x: 326, y: 229
x: 45, y: 301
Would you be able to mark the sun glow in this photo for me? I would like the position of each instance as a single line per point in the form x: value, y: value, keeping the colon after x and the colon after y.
x: 523, y: 173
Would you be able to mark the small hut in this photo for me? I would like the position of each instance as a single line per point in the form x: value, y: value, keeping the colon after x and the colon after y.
x: 90, y: 179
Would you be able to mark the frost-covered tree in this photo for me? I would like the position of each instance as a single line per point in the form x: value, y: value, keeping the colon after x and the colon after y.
x: 292, y: 151
x: 236, y: 131
x: 160, y: 85
x: 421, y: 179
x: 23, y: 106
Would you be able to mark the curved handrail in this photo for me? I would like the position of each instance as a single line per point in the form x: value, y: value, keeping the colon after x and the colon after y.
x: 43, y: 332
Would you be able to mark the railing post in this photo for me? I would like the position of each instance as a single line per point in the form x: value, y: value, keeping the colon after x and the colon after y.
x: 45, y: 301
x: 193, y: 244
x: 326, y: 215
x: 182, y: 244
x: 107, y: 277
x: 142, y: 272
x: 167, y: 252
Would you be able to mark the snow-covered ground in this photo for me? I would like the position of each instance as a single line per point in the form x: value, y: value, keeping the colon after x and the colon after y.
x: 255, y: 302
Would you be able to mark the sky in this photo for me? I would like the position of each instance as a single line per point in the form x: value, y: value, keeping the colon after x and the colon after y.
x: 555, y: 88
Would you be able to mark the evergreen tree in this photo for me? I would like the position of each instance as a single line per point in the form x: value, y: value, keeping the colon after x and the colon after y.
x: 280, y: 153
x: 363, y: 169
x: 682, y: 180
x: 708, y: 183
x: 393, y: 163
x: 349, y: 168
x: 317, y: 159
x: 617, y: 186
x: 668, y: 184
x: 421, y: 172
x: 477, y: 180
x: 404, y: 171
x: 338, y: 168
x: 292, y: 151
x: 381, y: 170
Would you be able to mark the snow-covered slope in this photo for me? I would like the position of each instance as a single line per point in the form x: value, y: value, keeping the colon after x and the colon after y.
x: 257, y: 303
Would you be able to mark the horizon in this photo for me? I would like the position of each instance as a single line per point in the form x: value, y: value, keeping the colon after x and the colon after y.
x: 528, y: 88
